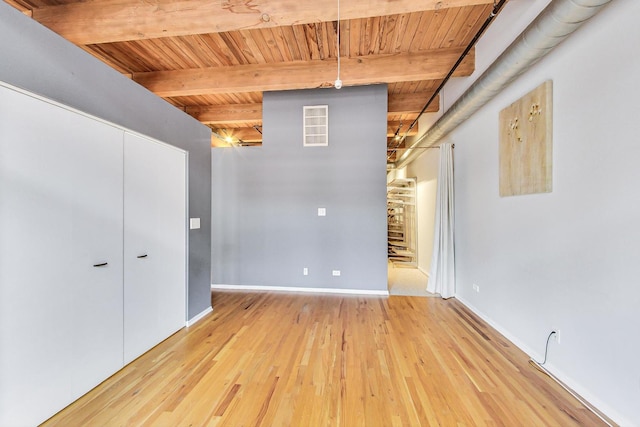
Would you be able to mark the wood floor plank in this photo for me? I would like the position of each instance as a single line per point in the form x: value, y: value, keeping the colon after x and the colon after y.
x: 279, y: 359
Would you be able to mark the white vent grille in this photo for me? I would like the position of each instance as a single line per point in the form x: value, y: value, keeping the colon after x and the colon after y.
x: 316, y: 125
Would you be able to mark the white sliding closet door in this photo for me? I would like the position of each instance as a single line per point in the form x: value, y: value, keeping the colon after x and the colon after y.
x: 155, y: 212
x: 60, y: 214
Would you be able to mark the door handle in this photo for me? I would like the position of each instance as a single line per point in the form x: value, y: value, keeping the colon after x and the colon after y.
x: 101, y: 264
x: 142, y: 256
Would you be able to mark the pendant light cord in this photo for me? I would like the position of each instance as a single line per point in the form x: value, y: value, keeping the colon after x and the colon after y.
x: 338, y: 39
x: 338, y: 82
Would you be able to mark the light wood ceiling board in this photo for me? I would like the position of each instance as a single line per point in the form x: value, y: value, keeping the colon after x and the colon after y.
x: 242, y: 97
x: 412, y: 25
x: 184, y: 101
x: 260, y: 38
x: 105, y: 21
x: 389, y: 34
x: 345, y: 36
x: 305, y: 74
x: 188, y: 52
x: 473, y: 21
x: 238, y: 98
x: 233, y: 51
x: 371, y: 40
x: 301, y: 40
x: 129, y: 57
x: 218, y: 49
x: 253, y: 53
x: 399, y: 32
x: 203, y: 100
x: 395, y: 88
x: 198, y: 50
x: 409, y: 87
x: 421, y: 31
x: 427, y: 85
x: 291, y: 48
x: 331, y: 29
x: 434, y: 20
x: 138, y: 57
x: 99, y: 53
x: 274, y: 45
x: 440, y: 35
x: 157, y: 54
x: 355, y: 29
x: 325, y: 46
x: 239, y: 47
x: 175, y: 53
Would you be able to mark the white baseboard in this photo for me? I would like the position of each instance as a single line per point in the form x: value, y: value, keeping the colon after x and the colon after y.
x: 568, y: 381
x: 298, y: 289
x: 199, y: 316
x: 426, y: 273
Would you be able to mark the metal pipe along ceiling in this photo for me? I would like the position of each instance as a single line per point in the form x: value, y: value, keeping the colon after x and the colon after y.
x: 554, y: 24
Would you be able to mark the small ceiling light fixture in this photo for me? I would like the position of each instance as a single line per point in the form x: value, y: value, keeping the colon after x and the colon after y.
x: 338, y: 83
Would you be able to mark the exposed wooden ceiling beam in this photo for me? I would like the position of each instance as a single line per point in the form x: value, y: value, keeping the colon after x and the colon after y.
x: 412, y: 103
x: 252, y: 135
x: 229, y: 113
x: 106, y: 21
x: 362, y: 70
x: 241, y: 113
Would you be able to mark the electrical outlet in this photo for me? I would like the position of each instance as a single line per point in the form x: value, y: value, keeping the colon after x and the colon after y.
x: 305, y: 271
x: 335, y: 273
x: 476, y: 288
x: 556, y: 335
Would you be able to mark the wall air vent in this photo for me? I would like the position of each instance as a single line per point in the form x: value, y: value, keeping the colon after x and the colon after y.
x: 316, y: 125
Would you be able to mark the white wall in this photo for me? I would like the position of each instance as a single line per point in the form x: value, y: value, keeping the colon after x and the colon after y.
x: 425, y: 170
x: 569, y: 259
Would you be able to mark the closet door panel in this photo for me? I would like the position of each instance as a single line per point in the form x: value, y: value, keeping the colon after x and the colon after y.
x: 35, y: 254
x: 155, y: 243
x: 52, y: 306
x: 97, y: 239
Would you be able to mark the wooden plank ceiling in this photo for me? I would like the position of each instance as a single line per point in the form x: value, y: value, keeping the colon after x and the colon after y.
x: 215, y: 58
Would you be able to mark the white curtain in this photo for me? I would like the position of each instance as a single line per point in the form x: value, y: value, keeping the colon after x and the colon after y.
x: 442, y: 276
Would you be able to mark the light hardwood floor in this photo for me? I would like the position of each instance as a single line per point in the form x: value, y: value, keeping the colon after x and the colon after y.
x: 267, y: 359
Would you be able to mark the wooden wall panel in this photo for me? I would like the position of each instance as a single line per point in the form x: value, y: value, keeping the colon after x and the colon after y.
x: 526, y: 144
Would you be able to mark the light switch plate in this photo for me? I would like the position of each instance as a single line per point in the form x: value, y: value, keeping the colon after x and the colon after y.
x: 322, y: 211
x: 194, y: 223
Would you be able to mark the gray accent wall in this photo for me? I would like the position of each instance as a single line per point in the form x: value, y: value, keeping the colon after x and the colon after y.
x: 35, y: 59
x: 266, y: 227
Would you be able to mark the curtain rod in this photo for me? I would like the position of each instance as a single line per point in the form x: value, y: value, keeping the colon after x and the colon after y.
x: 417, y: 148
